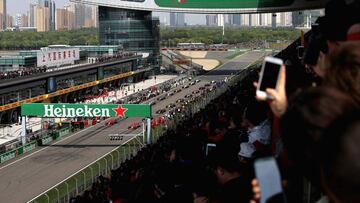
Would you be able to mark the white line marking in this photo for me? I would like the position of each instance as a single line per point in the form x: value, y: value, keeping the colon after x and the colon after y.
x: 67, y: 137
x: 78, y: 171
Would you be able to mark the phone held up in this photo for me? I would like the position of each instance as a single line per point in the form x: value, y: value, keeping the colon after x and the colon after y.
x: 268, y: 177
x: 269, y: 76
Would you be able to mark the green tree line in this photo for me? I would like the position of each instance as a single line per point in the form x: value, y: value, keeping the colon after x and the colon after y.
x: 35, y: 40
x: 172, y: 36
x: 169, y: 36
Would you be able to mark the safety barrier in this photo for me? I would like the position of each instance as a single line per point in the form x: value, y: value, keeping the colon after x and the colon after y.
x: 83, y: 180
x: 17, y: 152
x: 33, y: 144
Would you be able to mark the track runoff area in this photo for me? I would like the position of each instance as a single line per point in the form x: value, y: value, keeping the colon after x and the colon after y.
x: 29, y: 176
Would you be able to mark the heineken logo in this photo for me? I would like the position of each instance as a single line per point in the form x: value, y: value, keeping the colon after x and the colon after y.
x: 180, y: 1
x: 120, y: 111
x: 86, y: 110
x: 65, y: 112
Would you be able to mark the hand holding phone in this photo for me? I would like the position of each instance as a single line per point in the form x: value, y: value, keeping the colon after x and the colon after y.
x: 269, y: 76
x: 271, y: 85
x: 268, y: 177
x: 210, y: 147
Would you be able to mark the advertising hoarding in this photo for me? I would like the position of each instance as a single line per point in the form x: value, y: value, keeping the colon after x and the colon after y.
x: 57, y: 57
x: 86, y: 110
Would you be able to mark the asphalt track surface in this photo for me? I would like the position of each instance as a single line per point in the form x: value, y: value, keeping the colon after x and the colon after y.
x: 30, y: 175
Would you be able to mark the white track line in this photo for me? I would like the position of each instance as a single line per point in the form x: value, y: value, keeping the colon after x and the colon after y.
x: 67, y: 137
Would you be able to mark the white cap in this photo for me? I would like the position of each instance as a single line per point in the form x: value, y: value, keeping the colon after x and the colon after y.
x: 247, y: 150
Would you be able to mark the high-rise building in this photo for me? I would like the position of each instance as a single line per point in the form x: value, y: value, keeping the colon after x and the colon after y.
x: 79, y: 11
x: 3, y: 15
x: 283, y: 19
x: 21, y: 20
x: 236, y: 19
x: 70, y: 17
x: 273, y: 20
x: 305, y: 18
x: 41, y: 18
x: 94, y: 16
x: 10, y: 21
x: 211, y: 20
x: 61, y: 19
x: 265, y: 19
x: 135, y: 30
x: 52, y: 8
x: 31, y: 15
x: 65, y: 19
x: 50, y: 4
x: 89, y: 13
x: 177, y: 19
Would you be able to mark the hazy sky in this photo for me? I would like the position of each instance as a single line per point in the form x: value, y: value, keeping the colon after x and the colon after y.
x: 22, y: 6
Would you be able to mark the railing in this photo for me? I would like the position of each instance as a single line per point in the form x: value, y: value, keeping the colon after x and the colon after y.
x: 83, y: 180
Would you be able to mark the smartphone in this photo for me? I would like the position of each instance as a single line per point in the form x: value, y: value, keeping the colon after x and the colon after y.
x: 210, y: 147
x: 268, y: 177
x: 269, y: 76
x: 300, y: 52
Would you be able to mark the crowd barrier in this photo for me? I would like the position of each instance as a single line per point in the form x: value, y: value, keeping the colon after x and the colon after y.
x: 7, y: 156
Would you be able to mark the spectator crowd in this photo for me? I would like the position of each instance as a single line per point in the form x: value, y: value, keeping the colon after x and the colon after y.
x: 311, y: 125
x: 26, y: 71
x: 21, y: 72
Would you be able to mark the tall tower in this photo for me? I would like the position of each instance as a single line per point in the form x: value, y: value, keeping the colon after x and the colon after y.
x: 177, y: 19
x: 50, y: 4
x: 52, y: 8
x: 3, y: 15
x: 41, y: 18
x: 32, y: 15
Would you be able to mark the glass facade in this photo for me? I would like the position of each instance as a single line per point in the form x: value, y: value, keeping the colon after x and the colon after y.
x: 118, y: 69
x: 96, y: 51
x: 18, y: 61
x: 22, y: 94
x: 74, y: 80
x: 134, y: 30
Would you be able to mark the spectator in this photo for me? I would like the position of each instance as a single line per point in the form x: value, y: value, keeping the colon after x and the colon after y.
x: 234, y: 178
x: 247, y: 153
x: 340, y: 159
x: 259, y: 127
x: 308, y: 115
x: 343, y: 69
x: 353, y: 33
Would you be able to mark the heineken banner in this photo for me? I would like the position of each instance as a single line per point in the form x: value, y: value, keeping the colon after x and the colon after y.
x: 86, y: 110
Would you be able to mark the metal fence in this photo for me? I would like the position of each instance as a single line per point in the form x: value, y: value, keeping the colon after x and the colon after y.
x: 83, y: 180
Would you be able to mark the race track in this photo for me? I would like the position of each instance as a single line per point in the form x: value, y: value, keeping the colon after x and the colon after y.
x: 28, y: 176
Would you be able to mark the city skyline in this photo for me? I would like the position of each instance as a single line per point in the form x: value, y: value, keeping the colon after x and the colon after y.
x: 15, y: 7
x: 22, y: 7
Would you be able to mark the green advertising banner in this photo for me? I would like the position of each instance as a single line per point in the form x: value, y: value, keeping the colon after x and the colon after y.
x: 227, y: 4
x: 29, y: 147
x: 7, y: 156
x: 86, y: 110
x: 46, y: 140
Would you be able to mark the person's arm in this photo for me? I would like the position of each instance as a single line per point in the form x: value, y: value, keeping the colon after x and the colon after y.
x: 278, y: 103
